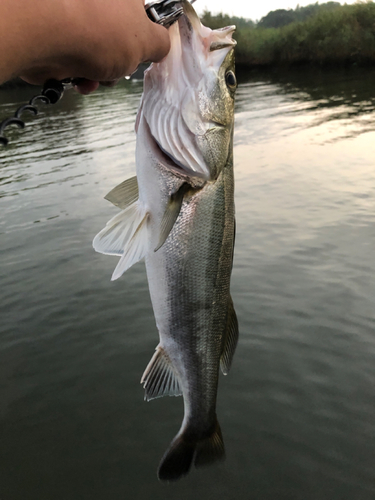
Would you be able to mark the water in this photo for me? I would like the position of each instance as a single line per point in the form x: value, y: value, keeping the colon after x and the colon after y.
x: 297, y: 408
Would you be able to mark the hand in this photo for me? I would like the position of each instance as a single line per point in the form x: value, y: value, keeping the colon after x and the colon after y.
x: 92, y: 39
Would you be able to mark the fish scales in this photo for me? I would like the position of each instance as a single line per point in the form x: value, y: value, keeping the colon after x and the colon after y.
x: 183, y: 224
x: 196, y: 290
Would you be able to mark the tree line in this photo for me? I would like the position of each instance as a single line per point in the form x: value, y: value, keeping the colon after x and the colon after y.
x: 328, y: 33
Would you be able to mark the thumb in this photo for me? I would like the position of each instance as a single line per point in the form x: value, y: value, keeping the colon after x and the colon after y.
x: 159, y: 43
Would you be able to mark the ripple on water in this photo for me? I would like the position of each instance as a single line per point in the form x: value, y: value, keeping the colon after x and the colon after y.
x: 297, y: 409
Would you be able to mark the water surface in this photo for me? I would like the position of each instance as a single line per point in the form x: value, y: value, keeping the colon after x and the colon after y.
x: 297, y: 410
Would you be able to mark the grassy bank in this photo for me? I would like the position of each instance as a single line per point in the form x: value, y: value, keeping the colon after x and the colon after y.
x: 343, y: 35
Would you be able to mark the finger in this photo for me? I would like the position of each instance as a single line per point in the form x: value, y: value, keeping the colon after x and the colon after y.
x: 86, y: 86
x: 111, y: 83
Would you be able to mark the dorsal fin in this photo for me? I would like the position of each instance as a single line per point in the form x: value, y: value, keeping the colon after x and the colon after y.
x: 230, y: 338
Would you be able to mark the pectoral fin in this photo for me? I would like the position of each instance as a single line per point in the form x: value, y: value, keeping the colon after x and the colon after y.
x: 124, y: 194
x: 159, y: 378
x: 230, y: 339
x: 171, y: 213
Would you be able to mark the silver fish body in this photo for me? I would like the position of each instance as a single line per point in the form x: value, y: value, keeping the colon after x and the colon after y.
x: 183, y: 224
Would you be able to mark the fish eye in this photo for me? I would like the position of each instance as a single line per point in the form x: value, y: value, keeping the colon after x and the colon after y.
x: 230, y: 79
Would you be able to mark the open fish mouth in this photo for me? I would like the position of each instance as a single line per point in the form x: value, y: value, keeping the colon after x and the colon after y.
x: 177, y: 91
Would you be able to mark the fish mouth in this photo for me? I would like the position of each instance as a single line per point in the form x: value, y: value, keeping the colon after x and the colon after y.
x: 180, y: 121
x: 212, y: 40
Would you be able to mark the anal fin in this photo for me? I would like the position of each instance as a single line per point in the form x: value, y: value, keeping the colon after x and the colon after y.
x: 159, y: 379
x: 230, y: 338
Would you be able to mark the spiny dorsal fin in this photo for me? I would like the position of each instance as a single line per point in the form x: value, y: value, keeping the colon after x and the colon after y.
x: 159, y: 378
x: 171, y: 213
x: 230, y: 339
x: 124, y: 194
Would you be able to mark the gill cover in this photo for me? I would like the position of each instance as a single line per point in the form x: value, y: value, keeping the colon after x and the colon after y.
x: 186, y: 102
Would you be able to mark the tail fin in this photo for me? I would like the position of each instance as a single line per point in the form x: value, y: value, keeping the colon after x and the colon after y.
x: 183, y: 452
x: 177, y: 460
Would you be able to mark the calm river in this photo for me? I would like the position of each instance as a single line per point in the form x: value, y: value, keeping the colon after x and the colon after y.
x: 297, y: 410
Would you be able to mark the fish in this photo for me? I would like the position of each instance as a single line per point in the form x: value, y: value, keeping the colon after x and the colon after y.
x: 178, y: 213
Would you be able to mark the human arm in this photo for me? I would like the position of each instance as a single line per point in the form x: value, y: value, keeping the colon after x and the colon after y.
x: 93, y: 39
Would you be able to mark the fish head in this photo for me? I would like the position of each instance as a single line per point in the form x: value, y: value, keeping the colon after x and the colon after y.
x: 188, y: 100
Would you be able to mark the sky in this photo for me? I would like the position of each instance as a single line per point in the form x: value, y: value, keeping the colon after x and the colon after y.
x: 251, y: 9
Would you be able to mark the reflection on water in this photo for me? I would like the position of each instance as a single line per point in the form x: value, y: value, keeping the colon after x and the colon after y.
x: 340, y: 104
x: 297, y: 408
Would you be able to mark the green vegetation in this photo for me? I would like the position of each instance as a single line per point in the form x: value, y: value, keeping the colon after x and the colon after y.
x: 318, y: 34
x: 281, y: 17
x: 221, y: 20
